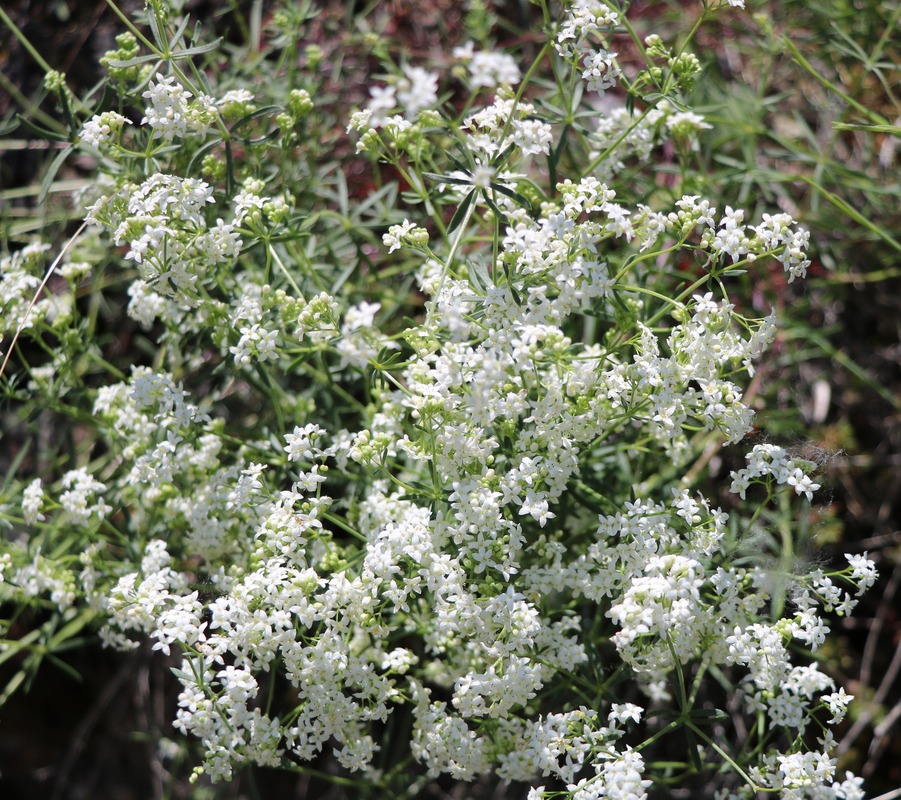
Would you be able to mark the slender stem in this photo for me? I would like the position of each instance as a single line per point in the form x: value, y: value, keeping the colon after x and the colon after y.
x: 732, y: 763
x: 23, y: 40
x: 133, y: 28
x: 29, y: 107
x: 456, y: 244
x: 51, y: 269
x: 284, y: 269
x: 872, y: 115
x: 340, y: 523
x: 522, y: 88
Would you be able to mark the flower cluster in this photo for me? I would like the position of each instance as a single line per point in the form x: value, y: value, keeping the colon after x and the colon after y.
x: 171, y: 112
x: 19, y: 279
x: 101, y: 128
x: 437, y: 468
x: 416, y: 90
x: 488, y: 68
x: 771, y: 460
x: 164, y: 224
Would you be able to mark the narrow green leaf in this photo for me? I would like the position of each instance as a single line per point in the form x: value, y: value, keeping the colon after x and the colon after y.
x: 229, y: 170
x: 157, y: 32
x: 516, y: 298
x: 246, y: 140
x: 708, y: 715
x: 64, y: 667
x: 13, y: 646
x: 207, y: 146
x: 70, y: 629
x: 840, y: 204
x: 260, y: 112
x: 894, y: 130
x: 14, y: 683
x: 460, y: 213
x: 132, y: 62
x: 554, y: 158
x: 446, y: 179
x: 692, y: 745
x: 15, y: 464
x: 499, y: 160
x: 179, y: 33
x: 523, y: 201
x: 44, y: 133
x: 459, y: 164
x: 200, y: 49
x: 501, y: 217
x: 812, y: 71
x: 478, y: 274
x: 47, y: 180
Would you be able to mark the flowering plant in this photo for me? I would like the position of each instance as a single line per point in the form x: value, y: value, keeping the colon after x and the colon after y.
x: 432, y: 467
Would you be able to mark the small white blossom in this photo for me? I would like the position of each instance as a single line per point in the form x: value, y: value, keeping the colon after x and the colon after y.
x: 600, y: 71
x: 418, y: 89
x: 532, y: 136
x: 863, y: 571
x: 487, y: 68
x: 32, y: 500
x: 393, y: 239
x: 102, y: 128
x: 167, y: 108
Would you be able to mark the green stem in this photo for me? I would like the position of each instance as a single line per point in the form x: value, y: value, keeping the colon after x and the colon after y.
x: 23, y: 40
x: 747, y: 778
x: 133, y: 28
x: 340, y: 523
x: 284, y: 269
x: 877, y: 118
x: 456, y: 244
x: 522, y: 88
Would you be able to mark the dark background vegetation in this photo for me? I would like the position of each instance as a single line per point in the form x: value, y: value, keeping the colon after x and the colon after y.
x: 830, y: 388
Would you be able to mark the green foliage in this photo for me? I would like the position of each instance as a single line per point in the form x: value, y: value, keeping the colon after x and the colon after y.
x: 307, y: 251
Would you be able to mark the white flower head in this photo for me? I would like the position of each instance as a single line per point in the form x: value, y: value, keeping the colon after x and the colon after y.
x: 102, y: 128
x: 418, y: 89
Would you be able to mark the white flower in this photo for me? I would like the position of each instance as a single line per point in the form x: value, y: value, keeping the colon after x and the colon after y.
x: 418, y: 89
x: 76, y: 500
x: 256, y: 343
x: 382, y: 99
x: 536, y: 506
x: 180, y: 622
x: 393, y: 239
x: 532, y: 136
x: 838, y: 704
x: 301, y: 442
x: 32, y: 500
x: 621, y: 778
x: 600, y: 72
x: 798, y: 770
x: 685, y: 125
x: 487, y: 68
x: 101, y: 128
x: 482, y: 175
x: 802, y: 483
x: 167, y: 109
x: 730, y: 237
x: 863, y: 571
x: 620, y: 712
x: 359, y: 316
x: 236, y: 96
